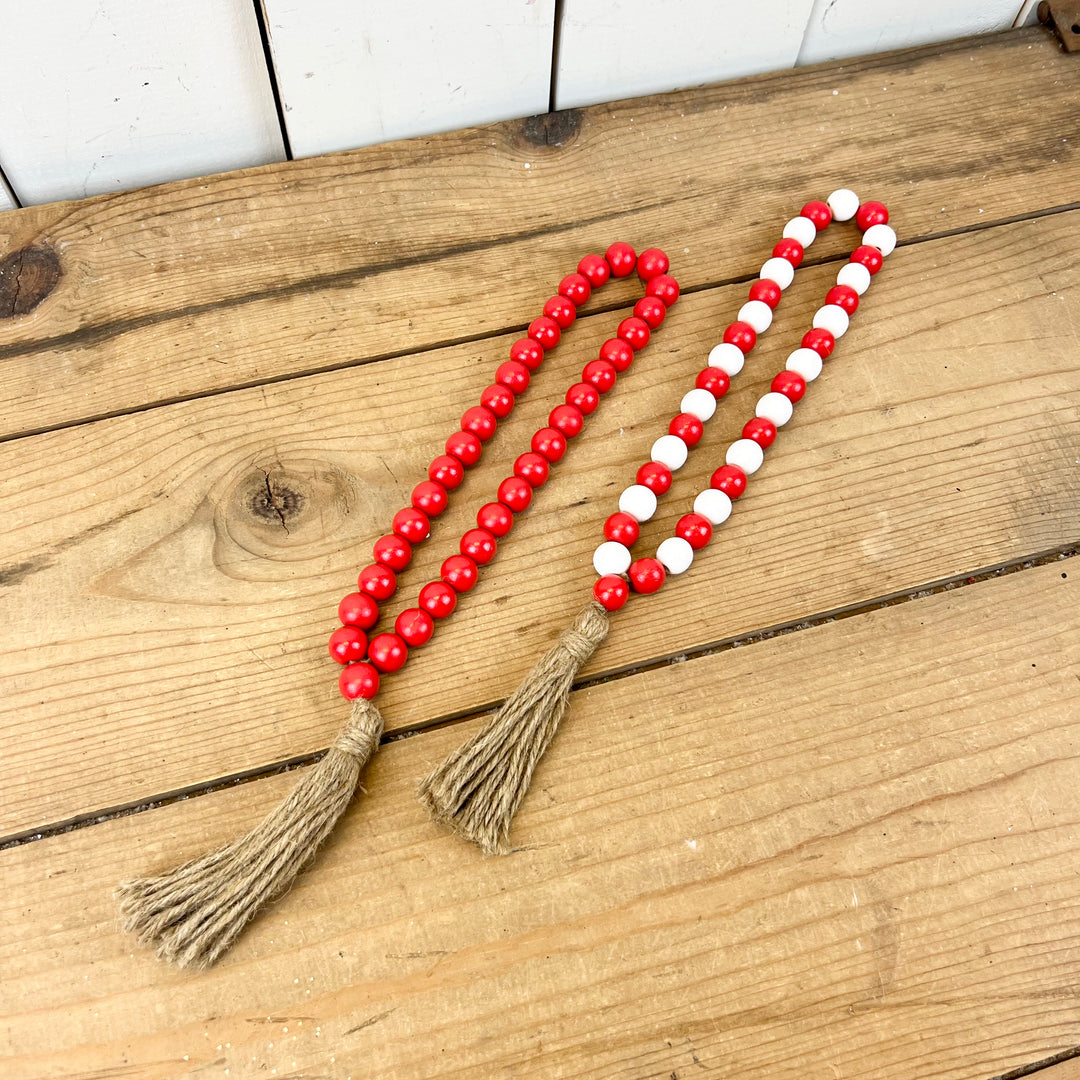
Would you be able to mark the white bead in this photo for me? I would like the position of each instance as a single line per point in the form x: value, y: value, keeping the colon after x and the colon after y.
x: 833, y: 318
x: 843, y: 203
x: 676, y: 554
x: 727, y: 357
x: 745, y: 453
x: 713, y: 505
x: 881, y: 237
x: 670, y: 450
x: 854, y: 276
x: 780, y: 271
x: 775, y: 407
x: 801, y: 229
x: 611, y: 557
x: 758, y: 314
x: 699, y: 403
x: 805, y: 362
x: 638, y: 501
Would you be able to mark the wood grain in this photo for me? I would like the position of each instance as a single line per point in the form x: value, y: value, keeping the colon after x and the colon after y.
x: 404, y: 246
x: 847, y: 851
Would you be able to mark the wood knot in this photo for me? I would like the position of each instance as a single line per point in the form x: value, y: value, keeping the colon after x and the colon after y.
x: 276, y: 501
x: 26, y: 278
x: 552, y: 129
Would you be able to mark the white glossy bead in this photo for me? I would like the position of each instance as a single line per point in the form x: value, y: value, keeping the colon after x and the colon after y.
x: 713, y: 505
x: 881, y: 237
x: 775, y: 407
x: 843, y: 203
x: 805, y: 362
x: 778, y: 270
x: 670, y: 450
x: 699, y: 403
x: 676, y: 554
x: 638, y: 501
x: 611, y: 557
x: 727, y: 357
x: 758, y: 314
x: 801, y: 229
x: 855, y: 276
x: 833, y: 318
x: 745, y: 453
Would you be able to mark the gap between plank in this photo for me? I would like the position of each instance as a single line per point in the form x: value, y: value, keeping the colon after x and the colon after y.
x: 261, y: 772
x: 1038, y: 1066
x: 271, y: 74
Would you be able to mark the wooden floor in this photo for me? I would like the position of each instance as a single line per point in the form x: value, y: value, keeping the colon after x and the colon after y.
x: 814, y: 812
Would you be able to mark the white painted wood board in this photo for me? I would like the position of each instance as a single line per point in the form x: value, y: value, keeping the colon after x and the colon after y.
x: 354, y: 73
x: 113, y: 94
x: 7, y: 200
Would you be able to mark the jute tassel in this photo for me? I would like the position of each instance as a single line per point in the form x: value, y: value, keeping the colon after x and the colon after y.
x: 477, y: 790
x: 192, y: 914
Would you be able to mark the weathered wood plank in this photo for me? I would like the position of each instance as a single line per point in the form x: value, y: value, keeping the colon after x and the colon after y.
x: 846, y: 851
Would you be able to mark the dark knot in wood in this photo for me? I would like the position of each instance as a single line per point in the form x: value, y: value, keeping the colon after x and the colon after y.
x: 26, y: 278
x: 552, y: 129
x: 276, y: 502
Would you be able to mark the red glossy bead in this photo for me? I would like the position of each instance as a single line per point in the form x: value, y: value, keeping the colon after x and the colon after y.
x: 550, y: 442
x: 688, y: 427
x: 843, y: 296
x: 358, y: 609
x: 438, y: 599
x: 576, y: 288
x: 465, y: 446
x: 446, y: 470
x: 378, y: 581
x: 498, y: 399
x: 652, y: 262
x: 871, y: 213
x: 429, y: 497
x: 818, y: 212
x: 528, y: 352
x: 358, y: 681
x: 820, y: 340
x: 870, y: 257
x: 595, y: 270
x: 761, y: 431
x: 767, y: 291
x: 412, y: 524
x: 532, y: 467
x: 348, y: 643
x: 729, y: 479
x: 714, y: 380
x: 635, y: 332
x: 392, y: 551
x: 655, y: 476
x: 651, y: 310
x: 694, y: 529
x: 791, y: 250
x: 514, y: 375
x: 791, y: 384
x: 479, y: 545
x: 561, y: 310
x: 601, y: 374
x: 414, y: 626
x: 622, y: 259
x: 622, y: 528
x: 495, y: 517
x: 387, y: 652
x: 742, y: 335
x: 480, y: 421
x: 568, y: 419
x: 617, y: 353
x: 646, y: 575
x: 611, y: 591
x: 665, y: 288
x: 545, y: 331
x: 459, y: 572
x: 583, y: 396
x: 515, y: 493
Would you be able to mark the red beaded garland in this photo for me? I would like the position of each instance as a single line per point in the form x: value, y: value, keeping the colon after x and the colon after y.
x: 871, y: 213
x: 480, y: 421
x: 550, y: 442
x: 760, y: 430
x: 438, y: 599
x: 358, y: 681
x: 622, y: 528
x: 496, y: 518
x: 459, y: 572
x: 514, y: 375
x: 869, y: 257
x: 663, y: 287
x: 527, y: 352
x: 348, y: 643
x: 561, y: 310
x: 414, y: 626
x: 465, y: 446
x: 358, y: 609
x: 646, y: 575
x: 729, y: 479
x: 635, y: 332
x: 742, y: 335
x: 694, y: 529
x: 392, y: 551
x: 818, y: 212
x: 843, y: 296
x: 716, y: 381
x: 611, y: 591
x: 767, y: 291
x: 655, y: 476
x: 791, y: 250
x: 651, y: 263
x: 430, y: 497
x: 532, y: 467
x: 479, y: 545
x: 515, y: 493
x: 584, y: 397
x: 412, y: 524
x: 388, y: 652
x: 576, y: 288
x: 601, y: 374
x: 617, y: 353
x: 595, y: 270
x: 446, y: 470
x: 622, y: 259
x: 498, y: 399
x: 378, y: 581
x: 820, y: 340
x: 791, y: 384
x: 687, y: 427
x: 652, y: 310
x: 545, y: 332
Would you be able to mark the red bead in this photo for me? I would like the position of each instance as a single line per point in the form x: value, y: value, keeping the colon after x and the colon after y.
x: 665, y: 288
x: 694, y: 529
x: 818, y: 212
x: 791, y: 250
x: 515, y: 493
x: 446, y: 470
x: 438, y: 599
x: 377, y: 581
x: 791, y: 384
x: 480, y: 545
x: 568, y: 419
x: 611, y: 591
x: 545, y: 332
x: 646, y: 575
x: 729, y: 479
x: 498, y: 399
x: 870, y: 257
x: 761, y: 431
x: 617, y: 353
x: 495, y: 517
x: 652, y: 262
x: 561, y: 310
x: 392, y: 551
x: 412, y: 525
x: 514, y: 375
x: 429, y: 497
x: 651, y: 310
x: 622, y: 259
x: 655, y: 476
x: 871, y: 213
x: 820, y: 340
x: 347, y: 644
x: 714, y: 380
x: 742, y: 335
x: 595, y: 270
x: 465, y: 446
x: 532, y: 467
x: 584, y: 397
x: 459, y: 572
x: 358, y: 609
x: 387, y: 652
x: 576, y: 288
x: 601, y: 374
x: 688, y: 427
x: 635, y: 332
x: 414, y: 627
x: 843, y: 296
x: 358, y: 681
x: 622, y: 528
x: 527, y: 352
x: 480, y: 421
x: 550, y: 442
x: 767, y: 291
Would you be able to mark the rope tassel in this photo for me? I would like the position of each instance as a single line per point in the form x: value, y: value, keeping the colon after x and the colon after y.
x: 192, y: 914
x: 477, y: 790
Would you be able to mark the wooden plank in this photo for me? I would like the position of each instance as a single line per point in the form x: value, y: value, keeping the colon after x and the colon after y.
x: 884, y: 883
x: 179, y: 624
x: 1066, y: 1070
x: 353, y: 76
x: 395, y: 248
